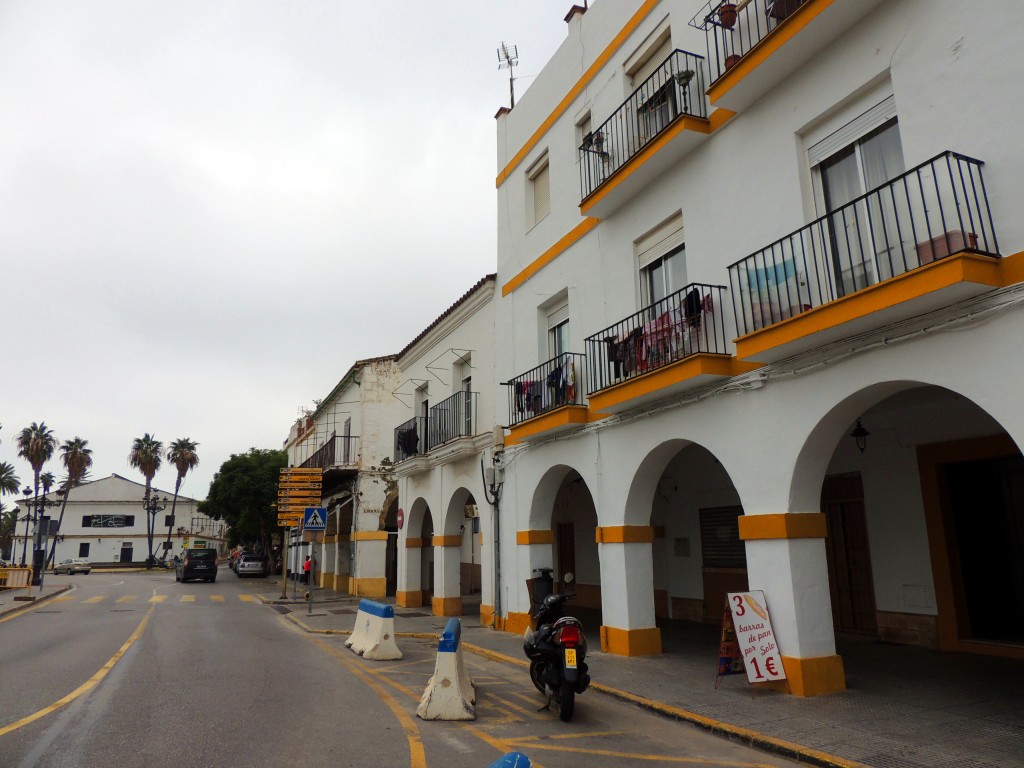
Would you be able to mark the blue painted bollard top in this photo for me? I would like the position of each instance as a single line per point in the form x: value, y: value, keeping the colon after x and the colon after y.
x: 383, y: 610
x: 512, y: 760
x: 450, y: 637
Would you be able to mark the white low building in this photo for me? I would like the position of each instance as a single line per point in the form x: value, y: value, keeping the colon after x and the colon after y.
x: 105, y: 523
x: 780, y: 243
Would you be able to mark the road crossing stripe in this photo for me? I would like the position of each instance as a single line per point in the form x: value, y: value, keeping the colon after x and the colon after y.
x: 157, y: 598
x: 62, y: 599
x: 188, y: 598
x: 126, y: 598
x: 97, y: 599
x: 217, y: 598
x: 247, y: 598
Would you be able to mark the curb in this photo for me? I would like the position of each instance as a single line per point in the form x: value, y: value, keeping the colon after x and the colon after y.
x: 26, y: 606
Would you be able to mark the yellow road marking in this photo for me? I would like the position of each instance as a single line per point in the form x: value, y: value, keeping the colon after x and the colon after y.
x: 188, y: 599
x: 633, y: 756
x: 502, y: 746
x: 61, y: 599
x: 126, y: 598
x: 84, y: 687
x: 97, y: 599
x: 217, y: 598
x: 247, y: 598
x: 157, y: 598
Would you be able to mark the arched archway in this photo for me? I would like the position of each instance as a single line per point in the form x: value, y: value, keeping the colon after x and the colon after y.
x: 416, y: 559
x: 456, y: 557
x: 391, y: 551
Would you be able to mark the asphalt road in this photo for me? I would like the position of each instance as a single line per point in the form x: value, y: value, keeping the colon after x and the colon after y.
x: 138, y: 670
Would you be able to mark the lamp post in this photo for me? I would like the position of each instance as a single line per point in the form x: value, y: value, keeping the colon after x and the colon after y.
x: 152, y: 505
x: 42, y: 523
x: 28, y: 521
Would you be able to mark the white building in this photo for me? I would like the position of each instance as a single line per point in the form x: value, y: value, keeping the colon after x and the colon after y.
x: 756, y: 236
x: 444, y: 438
x: 105, y: 522
x: 349, y: 436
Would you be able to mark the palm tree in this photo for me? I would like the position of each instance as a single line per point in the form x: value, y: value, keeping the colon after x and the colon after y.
x: 182, y: 454
x: 36, y: 444
x: 145, y: 457
x: 77, y: 458
x: 10, y: 485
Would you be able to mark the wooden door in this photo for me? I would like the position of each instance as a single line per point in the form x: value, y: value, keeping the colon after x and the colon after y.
x: 849, y: 555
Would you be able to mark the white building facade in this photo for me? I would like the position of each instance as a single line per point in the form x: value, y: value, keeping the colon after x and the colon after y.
x: 443, y: 441
x: 348, y: 436
x: 105, y: 523
x: 758, y: 295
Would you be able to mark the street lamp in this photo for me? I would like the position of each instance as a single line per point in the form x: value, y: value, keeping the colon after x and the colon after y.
x: 152, y: 505
x: 42, y: 523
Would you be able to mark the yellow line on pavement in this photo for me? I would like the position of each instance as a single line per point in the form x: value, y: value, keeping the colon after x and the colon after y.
x: 217, y: 598
x: 97, y: 599
x: 157, y: 598
x: 247, y: 598
x: 126, y: 598
x: 62, y: 599
x: 188, y: 598
x: 502, y: 746
x: 634, y: 756
x: 417, y: 755
x: 87, y: 685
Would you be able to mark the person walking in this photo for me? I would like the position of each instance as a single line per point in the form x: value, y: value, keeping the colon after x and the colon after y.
x: 306, y: 568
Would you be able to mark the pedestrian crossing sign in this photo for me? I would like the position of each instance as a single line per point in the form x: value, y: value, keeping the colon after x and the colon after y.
x: 315, y: 519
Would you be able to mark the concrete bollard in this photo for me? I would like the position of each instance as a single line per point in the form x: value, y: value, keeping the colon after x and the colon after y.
x: 450, y: 693
x: 374, y: 633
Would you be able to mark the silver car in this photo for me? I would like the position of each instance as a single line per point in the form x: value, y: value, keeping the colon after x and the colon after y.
x: 72, y: 565
x: 251, y: 565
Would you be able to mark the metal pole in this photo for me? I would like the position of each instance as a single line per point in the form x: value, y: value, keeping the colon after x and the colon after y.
x: 284, y: 561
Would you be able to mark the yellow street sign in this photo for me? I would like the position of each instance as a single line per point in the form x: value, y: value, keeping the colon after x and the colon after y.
x: 300, y: 486
x: 290, y: 521
x: 293, y: 508
x: 293, y: 496
x: 302, y: 471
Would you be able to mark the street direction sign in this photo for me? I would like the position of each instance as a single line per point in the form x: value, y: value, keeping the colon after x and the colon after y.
x: 289, y: 521
x: 286, y: 494
x: 295, y: 507
x: 316, y: 519
x: 302, y: 471
x: 299, y: 483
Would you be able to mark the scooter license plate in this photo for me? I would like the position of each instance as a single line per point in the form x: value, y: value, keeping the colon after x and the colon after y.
x: 570, y: 658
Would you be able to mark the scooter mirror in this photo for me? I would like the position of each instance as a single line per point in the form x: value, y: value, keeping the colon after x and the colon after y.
x: 568, y: 578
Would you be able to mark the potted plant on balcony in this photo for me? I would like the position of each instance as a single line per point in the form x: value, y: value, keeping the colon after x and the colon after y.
x: 727, y: 15
x: 732, y: 60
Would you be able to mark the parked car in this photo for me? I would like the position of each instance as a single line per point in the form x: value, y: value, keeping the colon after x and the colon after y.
x: 72, y: 565
x: 251, y: 565
x: 197, y: 564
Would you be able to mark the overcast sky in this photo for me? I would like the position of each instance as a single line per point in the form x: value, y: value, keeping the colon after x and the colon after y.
x: 209, y: 209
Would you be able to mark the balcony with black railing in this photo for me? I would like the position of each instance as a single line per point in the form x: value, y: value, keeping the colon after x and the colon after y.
x: 657, y: 108
x: 338, y: 452
x: 549, y: 396
x: 744, y: 36
x: 921, y: 219
x: 451, y: 419
x: 410, y: 439
x: 677, y: 343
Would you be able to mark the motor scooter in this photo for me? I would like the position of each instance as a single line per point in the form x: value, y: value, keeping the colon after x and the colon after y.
x: 556, y: 647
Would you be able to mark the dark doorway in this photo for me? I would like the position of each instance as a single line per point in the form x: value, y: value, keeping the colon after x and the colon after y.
x: 985, y: 510
x: 849, y: 555
x: 723, y: 558
x: 565, y: 540
x: 391, y: 552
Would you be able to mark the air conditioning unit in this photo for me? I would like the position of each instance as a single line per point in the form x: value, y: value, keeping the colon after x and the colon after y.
x: 472, y: 511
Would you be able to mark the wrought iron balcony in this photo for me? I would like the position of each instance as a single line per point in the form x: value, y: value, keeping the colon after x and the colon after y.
x: 928, y: 213
x: 682, y: 324
x: 410, y: 438
x: 340, y: 451
x: 451, y: 419
x: 551, y: 385
x: 674, y: 90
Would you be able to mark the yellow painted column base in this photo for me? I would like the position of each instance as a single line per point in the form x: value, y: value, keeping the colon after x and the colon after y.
x: 631, y: 642
x: 486, y: 615
x: 814, y: 676
x: 376, y: 587
x: 516, y: 623
x: 412, y: 599
x: 446, y: 606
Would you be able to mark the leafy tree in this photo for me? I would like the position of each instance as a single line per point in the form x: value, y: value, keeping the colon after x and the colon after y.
x: 36, y: 444
x: 244, y: 494
x: 146, y: 457
x: 182, y: 454
x: 9, y: 485
x: 77, y: 458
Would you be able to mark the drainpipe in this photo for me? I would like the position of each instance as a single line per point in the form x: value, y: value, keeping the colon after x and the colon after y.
x: 492, y: 492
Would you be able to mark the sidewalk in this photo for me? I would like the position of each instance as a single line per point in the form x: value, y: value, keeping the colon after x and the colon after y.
x: 904, y: 708
x: 9, y: 605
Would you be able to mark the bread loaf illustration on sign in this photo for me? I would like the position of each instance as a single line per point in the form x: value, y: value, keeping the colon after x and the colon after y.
x: 756, y: 607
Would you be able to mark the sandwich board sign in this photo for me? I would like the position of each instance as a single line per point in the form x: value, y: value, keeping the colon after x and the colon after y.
x: 755, y: 637
x: 315, y: 519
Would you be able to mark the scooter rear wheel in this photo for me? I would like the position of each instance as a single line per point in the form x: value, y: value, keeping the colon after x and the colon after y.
x: 537, y: 675
x: 567, y: 702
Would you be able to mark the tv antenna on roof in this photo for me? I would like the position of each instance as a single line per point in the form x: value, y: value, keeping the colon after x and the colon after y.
x: 508, y: 56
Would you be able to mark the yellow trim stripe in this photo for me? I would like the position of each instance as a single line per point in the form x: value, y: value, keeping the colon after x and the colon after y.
x: 447, y: 541
x: 800, y: 525
x: 577, y: 89
x: 560, y: 417
x: 370, y: 536
x: 544, y: 536
x: 567, y: 241
x: 624, y: 534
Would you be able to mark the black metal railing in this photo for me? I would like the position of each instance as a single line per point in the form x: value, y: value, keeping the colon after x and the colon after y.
x: 733, y: 28
x: 551, y: 385
x: 338, y: 451
x: 682, y: 324
x: 451, y: 419
x: 410, y: 438
x: 675, y: 89
x: 933, y: 210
